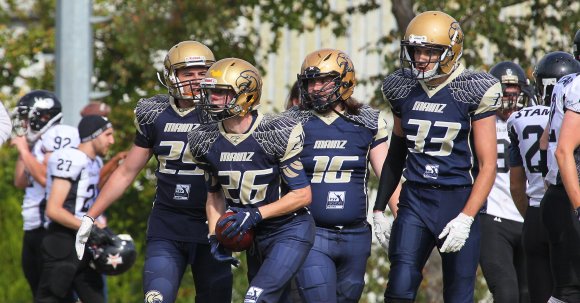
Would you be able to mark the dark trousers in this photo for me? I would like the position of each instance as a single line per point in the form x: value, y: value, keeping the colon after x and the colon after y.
x: 502, y: 259
x: 32, y: 257
x: 277, y: 257
x: 537, y: 251
x: 63, y: 273
x: 564, y: 237
x: 335, y: 267
x: 423, y: 213
x: 165, y: 264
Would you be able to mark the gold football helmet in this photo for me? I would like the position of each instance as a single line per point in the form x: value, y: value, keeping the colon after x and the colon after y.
x: 185, y: 54
x: 238, y: 78
x: 326, y: 63
x: 438, y: 32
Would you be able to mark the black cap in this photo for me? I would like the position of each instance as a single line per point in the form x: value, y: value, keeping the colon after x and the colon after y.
x: 92, y: 126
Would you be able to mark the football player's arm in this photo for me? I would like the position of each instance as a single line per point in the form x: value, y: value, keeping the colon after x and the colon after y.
x: 215, y: 205
x: 54, y: 206
x: 377, y: 159
x: 568, y: 142
x: 20, y: 176
x: 110, y: 167
x: 483, y: 132
x: 294, y: 200
x: 5, y: 125
x: 36, y: 169
x: 121, y: 178
x: 518, y: 188
x: 544, y: 142
x: 392, y: 169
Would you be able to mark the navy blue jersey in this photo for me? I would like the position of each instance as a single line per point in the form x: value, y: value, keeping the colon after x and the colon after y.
x: 335, y: 157
x: 179, y: 207
x: 437, y: 123
x: 255, y: 168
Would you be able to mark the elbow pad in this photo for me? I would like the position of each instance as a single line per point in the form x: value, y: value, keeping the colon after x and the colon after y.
x: 391, y: 172
x: 543, y: 162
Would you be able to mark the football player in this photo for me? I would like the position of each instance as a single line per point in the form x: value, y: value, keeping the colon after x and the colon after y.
x: 525, y: 128
x: 576, y: 42
x: 5, y: 125
x: 502, y: 253
x: 341, y: 137
x: 71, y: 188
x: 560, y: 204
x: 37, y: 133
x: 444, y: 119
x: 177, y: 229
x: 253, y: 162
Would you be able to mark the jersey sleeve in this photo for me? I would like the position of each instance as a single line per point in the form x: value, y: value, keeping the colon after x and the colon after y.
x: 515, y: 156
x: 383, y: 129
x: 212, y: 182
x: 291, y: 166
x: 65, y: 164
x: 147, y: 112
x: 489, y: 102
x: 396, y: 87
x: 58, y: 137
x: 573, y: 96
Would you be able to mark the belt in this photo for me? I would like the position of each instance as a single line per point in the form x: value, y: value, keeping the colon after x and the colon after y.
x: 356, y: 225
x: 436, y: 186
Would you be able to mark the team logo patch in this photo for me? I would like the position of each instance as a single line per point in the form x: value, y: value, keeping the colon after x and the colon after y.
x: 114, y: 260
x: 253, y: 294
x: 431, y: 171
x: 335, y: 200
x: 153, y: 296
x: 181, y: 192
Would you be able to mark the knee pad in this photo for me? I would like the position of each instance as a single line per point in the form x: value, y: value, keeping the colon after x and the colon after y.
x: 350, y: 290
x: 61, y: 278
x: 313, y: 284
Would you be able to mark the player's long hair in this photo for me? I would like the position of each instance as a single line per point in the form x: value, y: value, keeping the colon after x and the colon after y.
x: 352, y: 106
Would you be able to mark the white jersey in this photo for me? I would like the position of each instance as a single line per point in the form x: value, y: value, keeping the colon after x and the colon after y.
x: 56, y: 137
x: 82, y: 171
x: 499, y: 202
x: 525, y: 128
x: 565, y: 96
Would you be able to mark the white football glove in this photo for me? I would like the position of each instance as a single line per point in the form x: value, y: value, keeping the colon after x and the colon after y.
x: 83, y: 235
x: 382, y: 227
x: 457, y: 232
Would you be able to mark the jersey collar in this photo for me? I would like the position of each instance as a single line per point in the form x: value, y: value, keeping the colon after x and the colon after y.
x: 431, y: 92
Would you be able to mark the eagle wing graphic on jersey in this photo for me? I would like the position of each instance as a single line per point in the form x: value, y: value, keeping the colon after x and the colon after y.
x: 298, y: 114
x: 149, y: 109
x: 470, y: 86
x: 201, y: 139
x: 273, y: 134
x: 398, y: 85
x: 367, y: 116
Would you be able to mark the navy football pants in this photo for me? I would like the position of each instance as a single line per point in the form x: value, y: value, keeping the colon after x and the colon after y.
x: 165, y: 263
x: 423, y: 213
x: 563, y: 231
x: 279, y: 255
x: 335, y: 267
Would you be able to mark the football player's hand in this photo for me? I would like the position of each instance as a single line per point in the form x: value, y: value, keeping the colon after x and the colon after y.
x: 83, y: 235
x: 457, y: 232
x: 220, y: 253
x: 382, y: 227
x: 242, y: 221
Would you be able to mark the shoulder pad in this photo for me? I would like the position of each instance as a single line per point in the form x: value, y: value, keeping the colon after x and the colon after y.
x: 398, y: 85
x: 67, y: 163
x: 367, y: 116
x: 299, y: 115
x: 148, y: 109
x: 202, y: 138
x: 471, y: 86
x: 274, y: 132
x: 59, y: 136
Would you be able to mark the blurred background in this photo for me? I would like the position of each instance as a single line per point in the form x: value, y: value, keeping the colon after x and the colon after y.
x: 122, y: 44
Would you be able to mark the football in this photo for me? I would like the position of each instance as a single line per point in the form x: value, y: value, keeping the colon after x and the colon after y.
x: 233, y: 243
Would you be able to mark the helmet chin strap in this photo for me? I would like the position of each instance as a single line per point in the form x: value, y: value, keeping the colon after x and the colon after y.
x: 32, y: 136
